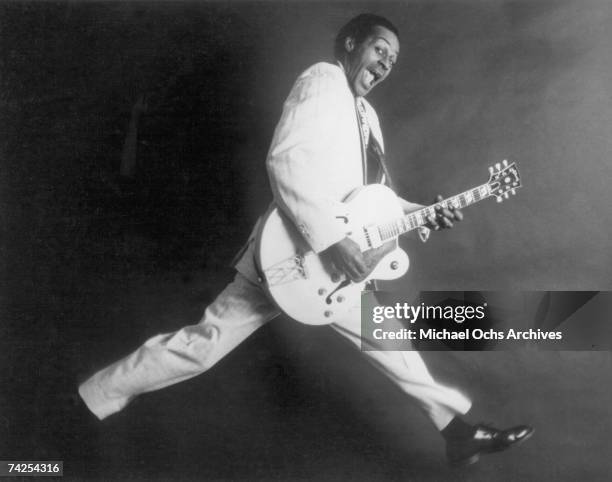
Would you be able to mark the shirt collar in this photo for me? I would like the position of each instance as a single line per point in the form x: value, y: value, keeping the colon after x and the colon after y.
x: 358, y: 98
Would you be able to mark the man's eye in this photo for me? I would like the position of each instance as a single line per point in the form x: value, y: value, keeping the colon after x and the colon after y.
x: 378, y: 50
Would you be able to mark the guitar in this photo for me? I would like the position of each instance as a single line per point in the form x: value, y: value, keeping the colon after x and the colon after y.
x: 305, y: 285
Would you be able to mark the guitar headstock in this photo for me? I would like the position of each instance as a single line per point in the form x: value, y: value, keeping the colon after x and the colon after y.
x: 503, y: 179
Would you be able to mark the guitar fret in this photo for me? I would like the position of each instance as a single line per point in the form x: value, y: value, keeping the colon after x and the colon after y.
x: 418, y: 218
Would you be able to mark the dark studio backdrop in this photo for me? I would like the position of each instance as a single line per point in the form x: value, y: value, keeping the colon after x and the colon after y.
x: 94, y: 262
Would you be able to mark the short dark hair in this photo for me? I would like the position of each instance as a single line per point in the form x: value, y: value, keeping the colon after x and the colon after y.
x: 359, y: 28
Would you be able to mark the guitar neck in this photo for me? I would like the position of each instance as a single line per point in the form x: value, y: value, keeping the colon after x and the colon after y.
x: 418, y: 218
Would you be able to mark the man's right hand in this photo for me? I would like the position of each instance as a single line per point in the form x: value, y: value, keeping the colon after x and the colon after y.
x: 346, y: 257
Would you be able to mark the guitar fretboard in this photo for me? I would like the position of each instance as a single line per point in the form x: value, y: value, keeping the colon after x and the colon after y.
x: 418, y: 218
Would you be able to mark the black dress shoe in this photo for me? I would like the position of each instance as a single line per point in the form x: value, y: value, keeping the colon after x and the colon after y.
x: 484, y: 440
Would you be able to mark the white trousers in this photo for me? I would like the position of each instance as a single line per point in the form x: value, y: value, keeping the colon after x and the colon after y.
x: 238, y: 311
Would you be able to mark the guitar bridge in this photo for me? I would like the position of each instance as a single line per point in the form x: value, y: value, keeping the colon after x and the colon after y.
x: 286, y: 271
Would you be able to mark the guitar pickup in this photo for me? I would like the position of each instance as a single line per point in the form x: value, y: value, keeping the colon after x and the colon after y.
x: 372, y: 236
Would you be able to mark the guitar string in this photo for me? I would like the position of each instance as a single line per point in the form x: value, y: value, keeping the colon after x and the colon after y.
x: 394, y: 228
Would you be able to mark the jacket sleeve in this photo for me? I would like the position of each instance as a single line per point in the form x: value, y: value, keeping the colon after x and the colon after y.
x: 301, y: 153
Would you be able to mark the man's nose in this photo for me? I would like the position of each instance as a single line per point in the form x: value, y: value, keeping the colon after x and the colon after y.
x: 386, y: 63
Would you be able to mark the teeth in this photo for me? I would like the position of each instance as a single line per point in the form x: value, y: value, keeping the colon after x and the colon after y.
x: 369, y: 77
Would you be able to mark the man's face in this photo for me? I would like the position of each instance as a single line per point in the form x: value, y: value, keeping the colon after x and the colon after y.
x: 367, y: 64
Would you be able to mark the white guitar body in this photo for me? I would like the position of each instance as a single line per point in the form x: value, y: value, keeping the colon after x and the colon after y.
x: 305, y: 285
x: 302, y: 283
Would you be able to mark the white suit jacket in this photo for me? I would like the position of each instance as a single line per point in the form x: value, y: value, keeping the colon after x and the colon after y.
x: 316, y: 157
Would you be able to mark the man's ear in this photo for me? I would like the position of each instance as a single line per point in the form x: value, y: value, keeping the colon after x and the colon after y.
x: 349, y: 44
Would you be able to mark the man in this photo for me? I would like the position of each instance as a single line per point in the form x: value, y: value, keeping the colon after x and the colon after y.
x: 327, y: 143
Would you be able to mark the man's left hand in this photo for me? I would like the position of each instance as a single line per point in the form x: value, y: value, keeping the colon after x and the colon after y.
x: 444, y: 218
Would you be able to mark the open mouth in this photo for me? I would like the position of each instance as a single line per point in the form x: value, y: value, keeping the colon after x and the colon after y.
x: 372, y: 76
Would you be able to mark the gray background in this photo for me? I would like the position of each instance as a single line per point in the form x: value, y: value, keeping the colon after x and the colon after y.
x: 93, y: 264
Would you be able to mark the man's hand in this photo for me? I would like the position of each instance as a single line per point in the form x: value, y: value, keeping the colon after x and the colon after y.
x: 444, y: 216
x: 347, y: 258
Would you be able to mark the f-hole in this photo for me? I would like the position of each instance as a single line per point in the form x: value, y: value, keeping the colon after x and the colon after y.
x: 346, y: 282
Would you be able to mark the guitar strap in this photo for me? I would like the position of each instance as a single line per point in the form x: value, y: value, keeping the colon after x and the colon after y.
x: 376, y: 168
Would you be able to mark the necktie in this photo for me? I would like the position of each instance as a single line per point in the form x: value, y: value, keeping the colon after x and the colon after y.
x: 374, y: 159
x: 364, y: 127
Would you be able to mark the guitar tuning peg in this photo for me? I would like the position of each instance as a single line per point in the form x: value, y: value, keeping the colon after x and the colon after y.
x: 498, y: 166
x: 499, y: 199
x: 490, y: 169
x: 505, y: 162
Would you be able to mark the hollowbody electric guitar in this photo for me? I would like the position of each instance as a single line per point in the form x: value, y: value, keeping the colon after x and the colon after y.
x: 306, y: 286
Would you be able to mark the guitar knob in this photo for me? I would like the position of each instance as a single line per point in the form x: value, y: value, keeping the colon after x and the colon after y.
x: 498, y: 166
x: 322, y: 291
x: 499, y: 199
x: 505, y: 162
x: 335, y: 277
x: 513, y: 191
x: 340, y: 299
x: 328, y: 313
x: 394, y: 265
x: 506, y: 195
